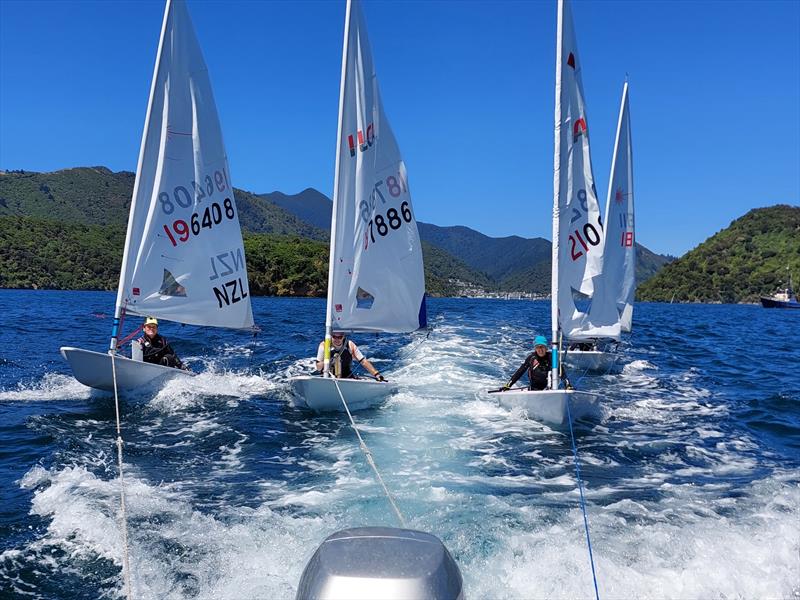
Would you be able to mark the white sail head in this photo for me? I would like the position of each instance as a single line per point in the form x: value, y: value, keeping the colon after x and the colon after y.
x: 578, y: 230
x: 619, y: 254
x: 184, y: 256
x: 377, y: 280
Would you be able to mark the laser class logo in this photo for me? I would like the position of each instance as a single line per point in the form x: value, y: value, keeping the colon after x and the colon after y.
x: 365, y: 140
x: 578, y: 129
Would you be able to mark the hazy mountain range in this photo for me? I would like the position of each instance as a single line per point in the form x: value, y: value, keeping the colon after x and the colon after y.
x: 511, y: 263
x: 96, y: 196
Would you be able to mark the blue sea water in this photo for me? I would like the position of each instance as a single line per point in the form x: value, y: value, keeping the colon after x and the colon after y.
x: 692, y: 475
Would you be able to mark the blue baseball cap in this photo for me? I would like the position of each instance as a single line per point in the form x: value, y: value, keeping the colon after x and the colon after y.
x: 540, y: 341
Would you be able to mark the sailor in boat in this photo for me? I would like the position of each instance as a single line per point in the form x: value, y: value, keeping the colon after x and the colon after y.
x: 538, y: 364
x: 156, y: 348
x: 343, y: 351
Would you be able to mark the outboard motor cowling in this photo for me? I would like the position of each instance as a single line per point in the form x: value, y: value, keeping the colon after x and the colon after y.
x: 381, y: 563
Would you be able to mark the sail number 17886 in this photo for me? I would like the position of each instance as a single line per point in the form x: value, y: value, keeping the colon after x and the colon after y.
x: 379, y: 223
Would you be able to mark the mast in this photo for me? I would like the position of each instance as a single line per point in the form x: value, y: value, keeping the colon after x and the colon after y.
x: 124, y: 267
x: 556, y: 187
x: 332, y: 257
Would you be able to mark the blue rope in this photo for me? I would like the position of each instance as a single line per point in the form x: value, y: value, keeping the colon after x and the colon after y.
x: 583, y: 502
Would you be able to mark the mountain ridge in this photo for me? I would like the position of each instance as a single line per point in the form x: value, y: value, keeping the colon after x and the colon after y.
x: 739, y: 263
x: 511, y: 263
x: 98, y: 196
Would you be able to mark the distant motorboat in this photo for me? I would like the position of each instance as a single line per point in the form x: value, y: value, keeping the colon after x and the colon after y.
x: 783, y: 298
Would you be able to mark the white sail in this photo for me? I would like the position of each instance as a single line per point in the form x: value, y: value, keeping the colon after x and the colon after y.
x: 577, y: 229
x: 184, y: 257
x: 377, y: 281
x: 619, y: 254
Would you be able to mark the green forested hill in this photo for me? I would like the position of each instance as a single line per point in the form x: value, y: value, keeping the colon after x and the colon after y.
x: 286, y: 265
x: 45, y: 254
x: 442, y: 268
x: 91, y: 195
x: 91, y: 204
x: 65, y: 230
x: 98, y: 196
x: 740, y: 263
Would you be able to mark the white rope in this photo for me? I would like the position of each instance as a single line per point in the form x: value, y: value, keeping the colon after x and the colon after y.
x: 368, y: 454
x: 126, y: 563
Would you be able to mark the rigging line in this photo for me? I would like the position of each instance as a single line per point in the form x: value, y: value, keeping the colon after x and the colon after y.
x: 129, y: 337
x: 126, y: 563
x: 368, y: 454
x: 583, y: 502
x: 409, y: 351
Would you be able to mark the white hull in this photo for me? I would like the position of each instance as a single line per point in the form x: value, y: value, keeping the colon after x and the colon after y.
x: 550, y: 406
x: 320, y: 394
x: 591, y: 360
x: 94, y: 369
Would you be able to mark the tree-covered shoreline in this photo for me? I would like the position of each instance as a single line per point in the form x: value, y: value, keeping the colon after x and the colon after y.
x: 50, y: 255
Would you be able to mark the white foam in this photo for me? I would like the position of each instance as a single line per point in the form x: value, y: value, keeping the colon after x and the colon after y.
x: 53, y: 386
x: 180, y: 394
x: 669, y: 514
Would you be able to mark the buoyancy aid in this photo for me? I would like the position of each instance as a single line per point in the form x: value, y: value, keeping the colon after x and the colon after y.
x: 342, y: 360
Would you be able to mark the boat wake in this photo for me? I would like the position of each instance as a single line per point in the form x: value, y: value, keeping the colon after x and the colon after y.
x: 230, y: 488
x: 53, y: 386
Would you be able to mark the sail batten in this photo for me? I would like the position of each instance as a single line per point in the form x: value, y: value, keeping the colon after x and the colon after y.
x: 376, y: 279
x: 184, y: 255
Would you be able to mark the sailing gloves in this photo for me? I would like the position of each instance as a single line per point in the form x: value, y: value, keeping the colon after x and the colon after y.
x: 379, y: 377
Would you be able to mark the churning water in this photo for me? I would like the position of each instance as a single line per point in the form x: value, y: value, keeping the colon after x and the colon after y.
x: 692, y: 475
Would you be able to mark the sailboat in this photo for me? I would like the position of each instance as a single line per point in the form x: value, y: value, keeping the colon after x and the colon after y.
x: 376, y: 281
x: 577, y: 235
x: 618, y: 279
x: 183, y: 259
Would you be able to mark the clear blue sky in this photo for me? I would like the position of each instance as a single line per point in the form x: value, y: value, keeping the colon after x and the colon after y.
x: 467, y: 86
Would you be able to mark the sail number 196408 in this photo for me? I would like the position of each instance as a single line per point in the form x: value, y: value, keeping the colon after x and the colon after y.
x: 207, y: 219
x: 202, y: 190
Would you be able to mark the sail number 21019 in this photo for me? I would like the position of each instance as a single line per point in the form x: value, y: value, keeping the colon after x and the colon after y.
x: 591, y: 236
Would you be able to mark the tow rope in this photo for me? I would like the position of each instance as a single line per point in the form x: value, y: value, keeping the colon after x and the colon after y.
x: 368, y: 454
x: 583, y: 502
x: 126, y: 563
